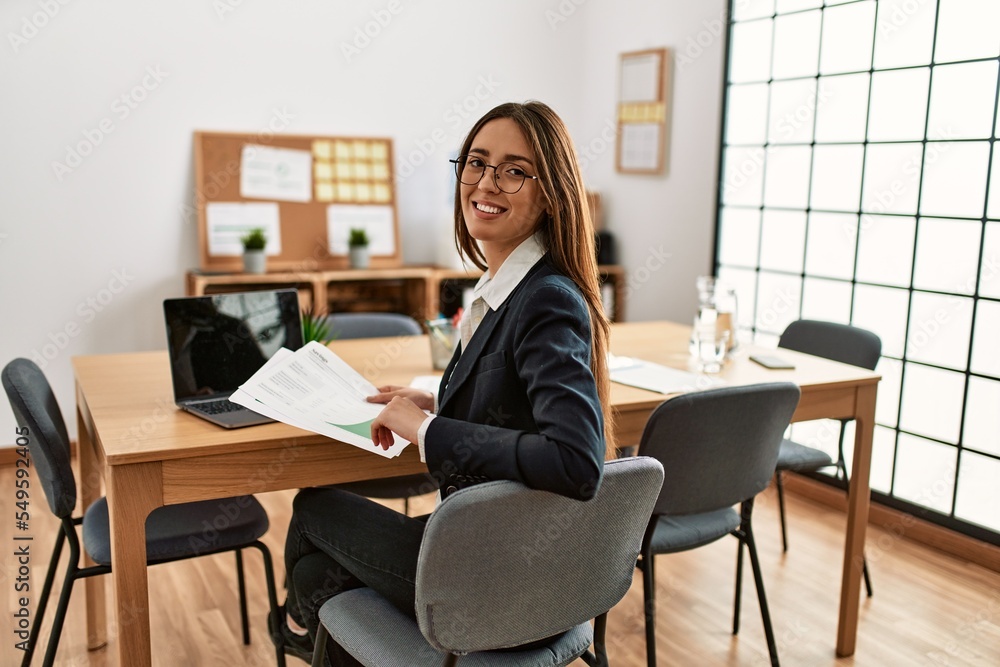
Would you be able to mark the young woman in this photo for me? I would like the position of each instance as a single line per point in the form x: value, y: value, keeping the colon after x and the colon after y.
x: 524, y: 398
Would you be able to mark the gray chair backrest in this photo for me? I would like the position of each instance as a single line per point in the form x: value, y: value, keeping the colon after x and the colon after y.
x: 344, y: 326
x: 34, y: 405
x: 838, y: 342
x: 718, y: 447
x: 501, y: 564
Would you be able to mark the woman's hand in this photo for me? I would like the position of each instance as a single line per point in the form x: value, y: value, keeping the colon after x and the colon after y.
x: 422, y: 399
x: 401, y: 416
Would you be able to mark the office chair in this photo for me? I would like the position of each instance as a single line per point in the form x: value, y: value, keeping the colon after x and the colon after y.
x: 174, y: 532
x: 838, y: 342
x: 501, y: 566
x: 718, y: 448
x: 344, y: 326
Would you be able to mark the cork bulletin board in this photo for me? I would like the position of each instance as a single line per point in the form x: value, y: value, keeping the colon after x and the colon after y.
x: 306, y: 192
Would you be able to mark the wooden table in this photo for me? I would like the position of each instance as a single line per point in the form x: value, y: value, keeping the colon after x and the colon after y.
x: 150, y: 454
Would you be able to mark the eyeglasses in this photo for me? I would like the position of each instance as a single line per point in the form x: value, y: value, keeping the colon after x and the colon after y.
x: 507, y: 176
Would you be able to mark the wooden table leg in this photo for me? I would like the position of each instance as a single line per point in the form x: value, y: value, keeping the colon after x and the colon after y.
x: 133, y: 492
x: 857, y: 520
x: 90, y: 490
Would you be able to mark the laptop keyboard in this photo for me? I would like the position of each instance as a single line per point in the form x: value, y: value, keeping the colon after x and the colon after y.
x: 219, y: 407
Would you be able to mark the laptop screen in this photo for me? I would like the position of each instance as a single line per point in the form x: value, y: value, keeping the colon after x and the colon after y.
x: 217, y: 342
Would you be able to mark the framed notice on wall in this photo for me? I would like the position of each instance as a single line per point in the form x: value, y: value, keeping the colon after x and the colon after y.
x: 643, y: 110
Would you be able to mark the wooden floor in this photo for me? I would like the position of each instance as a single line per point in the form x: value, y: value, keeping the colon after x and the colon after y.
x: 928, y: 609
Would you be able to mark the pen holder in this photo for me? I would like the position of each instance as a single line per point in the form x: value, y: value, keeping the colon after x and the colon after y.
x: 444, y: 338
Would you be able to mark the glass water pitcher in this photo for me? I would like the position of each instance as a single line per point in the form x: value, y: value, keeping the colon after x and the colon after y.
x: 717, y: 308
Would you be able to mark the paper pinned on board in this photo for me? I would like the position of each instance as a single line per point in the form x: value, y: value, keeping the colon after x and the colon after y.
x: 227, y: 222
x: 283, y: 174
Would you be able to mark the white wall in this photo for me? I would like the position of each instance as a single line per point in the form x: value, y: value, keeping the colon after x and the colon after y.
x: 87, y: 254
x: 664, y: 224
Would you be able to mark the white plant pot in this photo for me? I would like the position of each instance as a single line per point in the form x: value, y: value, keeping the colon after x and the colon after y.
x: 254, y: 261
x: 359, y: 257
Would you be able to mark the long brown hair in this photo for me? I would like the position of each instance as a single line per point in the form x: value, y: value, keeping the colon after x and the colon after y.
x: 567, y: 226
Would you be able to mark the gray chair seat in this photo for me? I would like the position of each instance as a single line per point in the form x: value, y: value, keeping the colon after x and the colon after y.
x: 357, y: 621
x: 181, y: 531
x: 503, y: 566
x: 680, y: 533
x: 793, y: 456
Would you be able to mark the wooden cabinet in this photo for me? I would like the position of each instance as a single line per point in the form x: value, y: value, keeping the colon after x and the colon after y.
x: 418, y: 291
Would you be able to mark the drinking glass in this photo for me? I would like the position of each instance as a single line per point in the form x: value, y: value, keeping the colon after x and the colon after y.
x: 711, y: 346
x: 444, y: 337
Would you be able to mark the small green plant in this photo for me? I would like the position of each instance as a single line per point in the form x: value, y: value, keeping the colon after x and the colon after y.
x: 358, y: 237
x: 255, y: 239
x: 315, y: 327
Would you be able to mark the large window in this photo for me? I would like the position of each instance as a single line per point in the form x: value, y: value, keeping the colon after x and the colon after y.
x: 860, y: 183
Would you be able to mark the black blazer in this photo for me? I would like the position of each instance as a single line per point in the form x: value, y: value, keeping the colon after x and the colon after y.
x: 521, y: 403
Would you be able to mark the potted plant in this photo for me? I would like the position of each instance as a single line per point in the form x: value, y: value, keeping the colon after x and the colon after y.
x: 254, y: 259
x: 357, y: 244
x: 315, y: 326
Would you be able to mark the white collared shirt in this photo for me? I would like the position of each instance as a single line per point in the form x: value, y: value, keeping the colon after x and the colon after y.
x: 492, y: 292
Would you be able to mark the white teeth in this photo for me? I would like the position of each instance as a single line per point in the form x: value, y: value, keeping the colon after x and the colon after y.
x: 486, y: 208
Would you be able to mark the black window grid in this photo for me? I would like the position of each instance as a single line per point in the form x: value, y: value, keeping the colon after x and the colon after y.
x: 948, y: 519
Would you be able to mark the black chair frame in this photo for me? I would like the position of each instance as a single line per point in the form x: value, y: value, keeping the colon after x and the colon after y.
x: 68, y: 534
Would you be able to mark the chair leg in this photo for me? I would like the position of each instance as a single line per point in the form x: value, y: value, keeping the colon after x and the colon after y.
x: 272, y: 599
x: 747, y: 531
x: 868, y: 578
x: 60, y: 618
x: 450, y: 660
x: 600, y: 649
x: 241, y: 584
x: 43, y: 599
x: 406, y: 506
x: 319, y: 649
x: 738, y: 596
x: 649, y: 605
x: 781, y: 509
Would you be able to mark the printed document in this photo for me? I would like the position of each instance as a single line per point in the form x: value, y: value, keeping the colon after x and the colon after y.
x: 314, y: 389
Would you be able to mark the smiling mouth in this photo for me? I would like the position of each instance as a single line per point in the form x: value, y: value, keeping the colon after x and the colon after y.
x: 488, y: 208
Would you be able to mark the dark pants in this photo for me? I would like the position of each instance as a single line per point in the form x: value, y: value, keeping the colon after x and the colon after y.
x: 338, y: 541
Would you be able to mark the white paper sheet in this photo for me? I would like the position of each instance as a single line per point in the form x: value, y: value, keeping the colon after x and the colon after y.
x: 654, y: 377
x: 314, y: 389
x: 640, y: 145
x: 376, y: 220
x: 284, y: 174
x: 640, y: 79
x: 228, y: 221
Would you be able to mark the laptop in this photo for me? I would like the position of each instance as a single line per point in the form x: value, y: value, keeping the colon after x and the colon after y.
x: 217, y: 342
